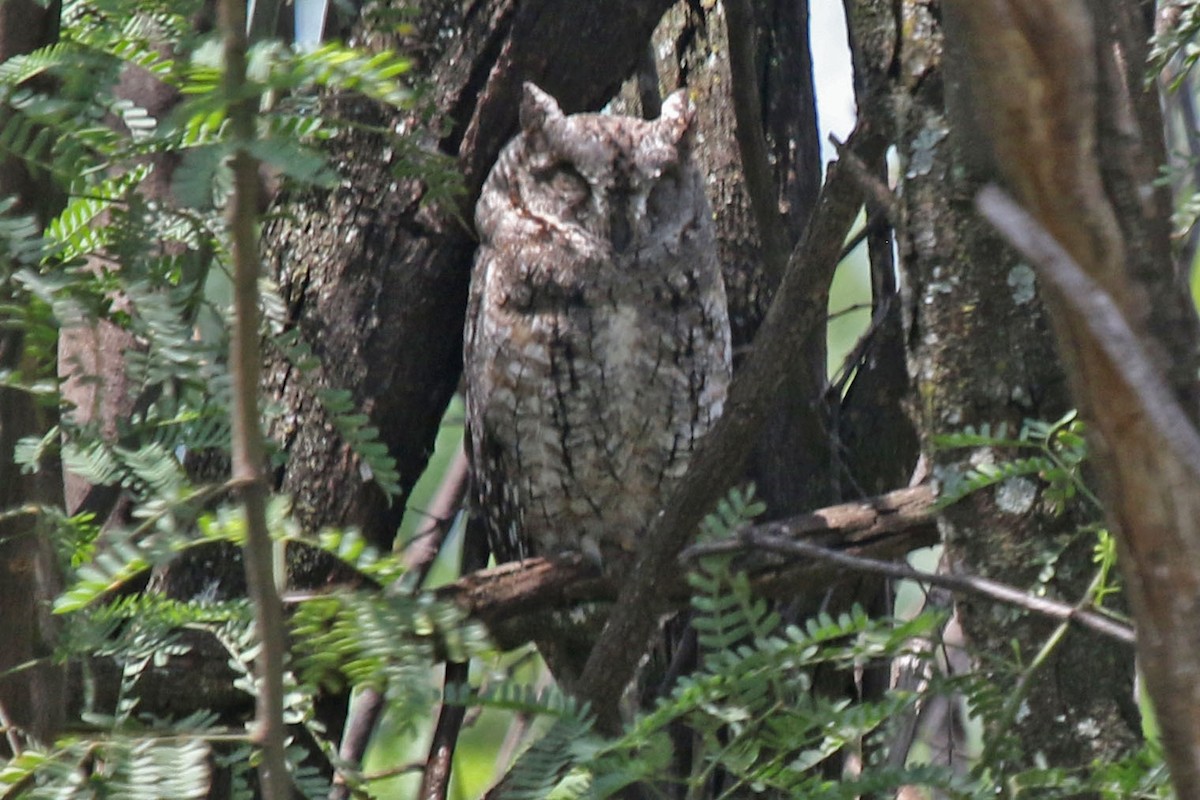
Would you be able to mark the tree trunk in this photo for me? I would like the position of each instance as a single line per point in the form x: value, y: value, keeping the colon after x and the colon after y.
x: 1075, y: 133
x: 981, y: 354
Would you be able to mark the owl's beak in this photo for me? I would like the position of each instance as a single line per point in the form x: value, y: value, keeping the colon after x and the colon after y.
x: 620, y: 232
x: 623, y: 211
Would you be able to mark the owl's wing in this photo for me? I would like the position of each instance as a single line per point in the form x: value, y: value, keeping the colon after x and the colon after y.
x: 494, y: 498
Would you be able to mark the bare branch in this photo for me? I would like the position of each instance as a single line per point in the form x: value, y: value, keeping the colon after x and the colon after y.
x: 859, y: 536
x: 366, y: 707
x: 873, y: 185
x: 754, y: 541
x: 510, y: 599
x: 435, y: 782
x: 249, y: 453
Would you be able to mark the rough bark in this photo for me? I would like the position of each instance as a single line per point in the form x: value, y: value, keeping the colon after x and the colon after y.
x: 375, y: 281
x: 31, y: 700
x: 981, y: 353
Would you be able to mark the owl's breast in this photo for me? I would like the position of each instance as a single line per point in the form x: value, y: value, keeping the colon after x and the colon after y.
x: 591, y: 380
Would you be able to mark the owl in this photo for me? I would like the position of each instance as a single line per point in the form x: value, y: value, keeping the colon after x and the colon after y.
x: 597, y: 341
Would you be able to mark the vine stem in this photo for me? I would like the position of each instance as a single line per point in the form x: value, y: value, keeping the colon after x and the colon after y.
x: 248, y: 447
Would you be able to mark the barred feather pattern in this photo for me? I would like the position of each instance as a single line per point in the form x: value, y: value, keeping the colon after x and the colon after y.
x: 597, y: 346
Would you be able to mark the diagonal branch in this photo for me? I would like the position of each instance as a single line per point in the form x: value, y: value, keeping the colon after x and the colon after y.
x: 1102, y: 319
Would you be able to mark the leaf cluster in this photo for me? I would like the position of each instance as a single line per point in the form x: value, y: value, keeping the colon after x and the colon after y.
x: 1057, y: 452
x: 755, y: 725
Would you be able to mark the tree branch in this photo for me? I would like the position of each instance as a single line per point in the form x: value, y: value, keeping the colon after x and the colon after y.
x: 756, y: 541
x: 249, y: 453
x: 425, y: 545
x: 1148, y: 460
x: 859, y: 536
x: 509, y: 599
x: 752, y: 144
x: 435, y: 781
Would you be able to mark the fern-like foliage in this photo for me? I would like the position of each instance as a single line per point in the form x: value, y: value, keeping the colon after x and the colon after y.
x: 551, y: 766
x: 388, y: 642
x: 758, y: 728
x: 153, y: 765
x: 750, y: 703
x: 1057, y: 451
x: 20, y: 238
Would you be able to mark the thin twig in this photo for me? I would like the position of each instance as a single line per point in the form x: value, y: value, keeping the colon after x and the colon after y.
x: 850, y: 309
x: 967, y: 584
x: 249, y: 453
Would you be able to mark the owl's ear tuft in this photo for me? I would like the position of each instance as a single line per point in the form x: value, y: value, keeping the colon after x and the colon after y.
x: 677, y: 117
x: 537, y: 109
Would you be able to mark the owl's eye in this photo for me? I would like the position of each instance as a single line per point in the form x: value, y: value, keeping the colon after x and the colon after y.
x: 664, y: 197
x: 569, y: 185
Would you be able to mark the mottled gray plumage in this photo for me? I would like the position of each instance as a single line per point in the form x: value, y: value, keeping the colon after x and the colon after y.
x: 597, y: 343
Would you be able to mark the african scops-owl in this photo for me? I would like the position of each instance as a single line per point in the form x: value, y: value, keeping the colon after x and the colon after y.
x: 597, y: 343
